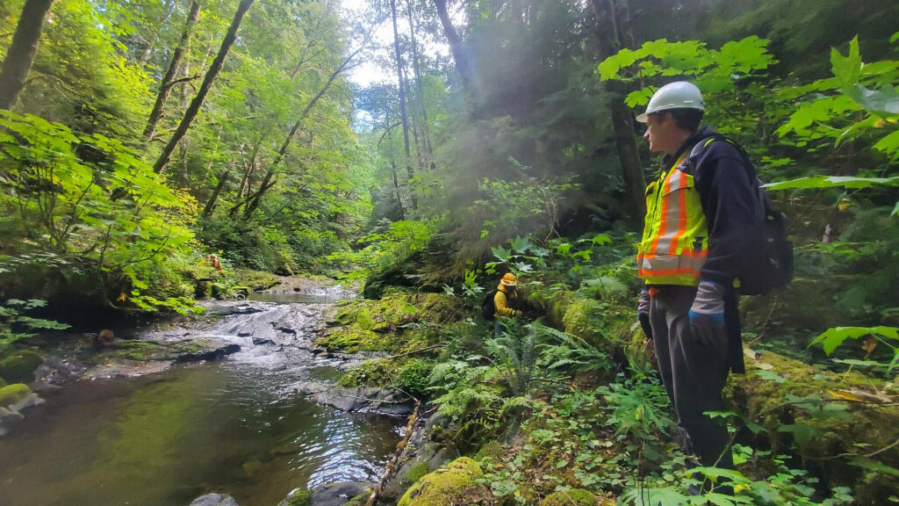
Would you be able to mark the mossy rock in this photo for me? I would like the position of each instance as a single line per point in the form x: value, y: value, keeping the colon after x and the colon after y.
x: 352, y: 339
x: 256, y: 280
x: 300, y: 498
x: 417, y: 472
x: 573, y: 497
x: 492, y: 450
x: 3, y: 383
x: 371, y: 373
x: 14, y: 393
x: 763, y: 393
x: 19, y: 366
x: 396, y: 309
x: 453, y: 484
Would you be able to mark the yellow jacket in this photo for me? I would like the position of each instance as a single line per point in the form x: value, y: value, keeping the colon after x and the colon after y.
x: 501, y: 302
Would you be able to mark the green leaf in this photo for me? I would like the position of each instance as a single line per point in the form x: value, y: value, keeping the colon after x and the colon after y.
x: 668, y: 496
x: 521, y: 245
x: 484, y: 233
x: 894, y: 38
x: 884, y: 101
x: 834, y: 337
x: 848, y: 69
x: 501, y: 254
x: 872, y: 465
x: 888, y: 144
x: 833, y: 181
x: 770, y: 376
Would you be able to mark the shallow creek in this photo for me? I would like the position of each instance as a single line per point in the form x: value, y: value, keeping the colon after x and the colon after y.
x: 233, y: 427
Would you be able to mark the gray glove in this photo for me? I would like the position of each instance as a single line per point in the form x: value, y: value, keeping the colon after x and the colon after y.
x: 707, y: 314
x: 643, y: 313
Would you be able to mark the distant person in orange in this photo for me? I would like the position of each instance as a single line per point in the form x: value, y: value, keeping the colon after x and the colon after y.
x: 213, y: 261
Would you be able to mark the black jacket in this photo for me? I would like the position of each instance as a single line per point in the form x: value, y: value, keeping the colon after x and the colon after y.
x: 727, y: 187
x: 728, y: 190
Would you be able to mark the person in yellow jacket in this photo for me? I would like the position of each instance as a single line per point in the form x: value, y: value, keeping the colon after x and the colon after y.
x: 506, y: 301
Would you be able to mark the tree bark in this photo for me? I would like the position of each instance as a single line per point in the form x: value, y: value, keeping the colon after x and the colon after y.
x: 210, y: 204
x: 20, y: 55
x: 198, y: 100
x: 612, y: 23
x: 460, y: 56
x: 416, y: 69
x: 396, y: 183
x: 402, y: 91
x: 165, y: 86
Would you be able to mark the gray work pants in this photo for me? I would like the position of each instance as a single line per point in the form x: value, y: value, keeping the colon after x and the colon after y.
x: 693, y: 374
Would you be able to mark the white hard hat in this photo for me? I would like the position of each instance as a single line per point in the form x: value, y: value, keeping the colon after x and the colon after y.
x: 676, y: 95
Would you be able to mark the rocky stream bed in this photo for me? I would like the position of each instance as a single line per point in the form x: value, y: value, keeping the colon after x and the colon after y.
x: 271, y: 371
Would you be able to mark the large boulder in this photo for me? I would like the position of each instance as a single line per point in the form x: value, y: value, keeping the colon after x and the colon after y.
x: 338, y: 494
x: 7, y: 419
x: 299, y: 497
x: 19, y: 366
x: 383, y: 401
x: 453, y: 484
x: 214, y: 500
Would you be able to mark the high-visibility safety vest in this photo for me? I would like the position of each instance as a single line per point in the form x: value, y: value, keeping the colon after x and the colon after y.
x: 675, y: 241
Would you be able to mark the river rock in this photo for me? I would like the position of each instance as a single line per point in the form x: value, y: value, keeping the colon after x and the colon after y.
x: 383, y: 401
x: 203, y: 350
x: 419, y: 451
x: 214, y: 500
x: 124, y: 368
x: 26, y: 403
x: 258, y: 341
x: 57, y: 371
x: 337, y: 494
x: 7, y: 419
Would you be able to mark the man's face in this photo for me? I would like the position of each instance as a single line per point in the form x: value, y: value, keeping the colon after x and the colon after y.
x: 659, y: 129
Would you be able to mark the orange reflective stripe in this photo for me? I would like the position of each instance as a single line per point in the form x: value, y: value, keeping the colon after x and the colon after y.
x: 664, y: 211
x: 656, y: 273
x: 684, y: 253
x: 662, y: 225
x: 682, y: 213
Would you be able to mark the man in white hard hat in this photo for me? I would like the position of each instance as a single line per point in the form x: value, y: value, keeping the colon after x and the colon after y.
x: 699, y: 211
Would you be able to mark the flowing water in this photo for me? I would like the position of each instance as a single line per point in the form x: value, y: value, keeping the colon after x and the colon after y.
x: 232, y: 427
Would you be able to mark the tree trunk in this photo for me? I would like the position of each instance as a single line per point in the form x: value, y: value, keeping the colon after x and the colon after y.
x: 312, y: 39
x: 20, y: 55
x: 210, y: 204
x: 257, y: 198
x: 396, y: 183
x: 416, y: 69
x: 148, y: 51
x: 460, y: 56
x: 198, y: 100
x: 165, y: 86
x: 612, y: 23
x: 402, y: 90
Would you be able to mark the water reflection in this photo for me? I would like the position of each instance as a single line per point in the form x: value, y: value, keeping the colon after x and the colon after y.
x: 164, y: 439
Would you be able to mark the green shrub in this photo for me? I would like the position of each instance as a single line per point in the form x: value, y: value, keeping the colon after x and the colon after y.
x: 413, y: 377
x: 300, y: 498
